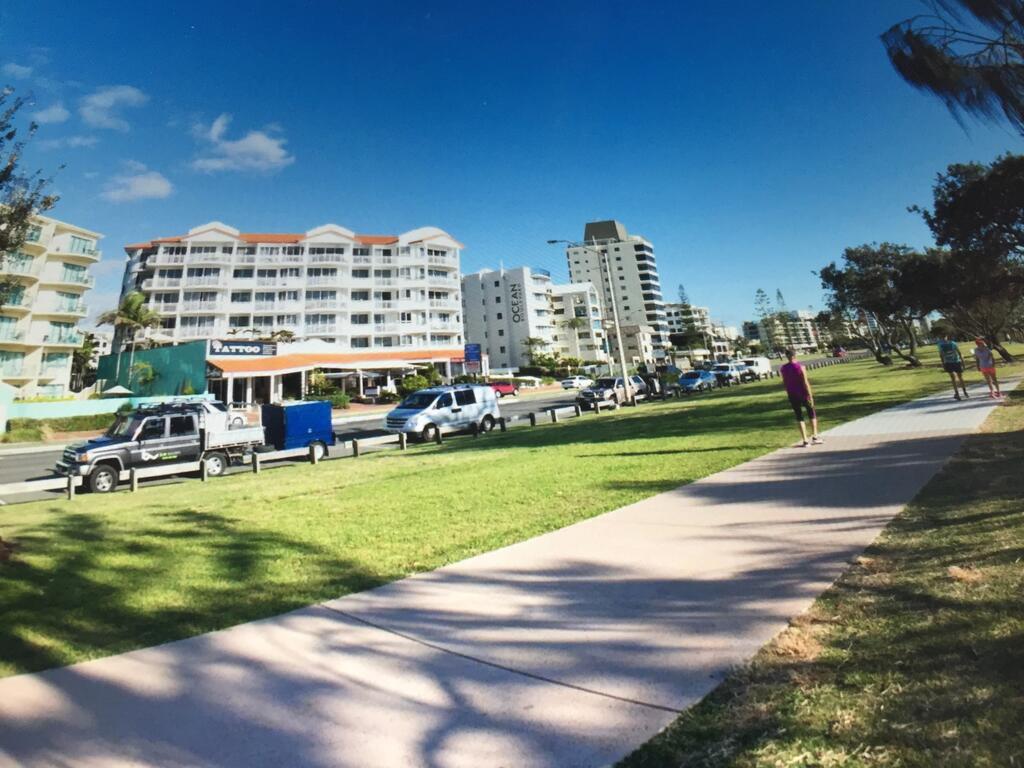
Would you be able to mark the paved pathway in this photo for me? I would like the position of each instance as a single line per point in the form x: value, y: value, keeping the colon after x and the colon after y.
x: 569, y: 649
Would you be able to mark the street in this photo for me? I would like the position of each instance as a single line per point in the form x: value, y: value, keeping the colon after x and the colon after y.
x: 38, y: 463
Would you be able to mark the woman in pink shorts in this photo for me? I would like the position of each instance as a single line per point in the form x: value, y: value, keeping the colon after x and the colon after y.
x: 987, y: 366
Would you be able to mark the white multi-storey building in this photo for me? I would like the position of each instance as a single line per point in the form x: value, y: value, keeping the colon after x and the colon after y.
x: 358, y: 292
x: 799, y: 330
x: 679, y: 316
x: 579, y: 322
x: 632, y: 270
x: 38, y: 322
x: 504, y: 308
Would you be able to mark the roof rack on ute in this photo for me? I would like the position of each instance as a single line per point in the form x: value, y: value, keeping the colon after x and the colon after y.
x: 173, y: 406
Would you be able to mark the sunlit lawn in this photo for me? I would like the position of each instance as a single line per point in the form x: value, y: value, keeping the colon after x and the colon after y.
x: 104, y: 574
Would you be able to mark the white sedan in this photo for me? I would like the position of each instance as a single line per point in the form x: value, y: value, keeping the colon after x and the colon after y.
x: 577, y: 382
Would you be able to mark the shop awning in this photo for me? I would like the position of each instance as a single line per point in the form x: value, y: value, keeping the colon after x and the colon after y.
x: 345, y: 361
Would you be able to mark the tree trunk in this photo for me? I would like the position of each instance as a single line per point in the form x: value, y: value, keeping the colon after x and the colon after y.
x: 998, y: 347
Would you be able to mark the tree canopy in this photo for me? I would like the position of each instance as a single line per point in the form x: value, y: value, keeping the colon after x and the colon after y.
x: 969, y: 53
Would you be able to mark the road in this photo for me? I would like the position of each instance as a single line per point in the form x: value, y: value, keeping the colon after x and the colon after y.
x: 38, y: 463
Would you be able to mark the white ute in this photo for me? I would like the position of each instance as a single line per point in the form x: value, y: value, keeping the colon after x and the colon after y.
x: 425, y: 411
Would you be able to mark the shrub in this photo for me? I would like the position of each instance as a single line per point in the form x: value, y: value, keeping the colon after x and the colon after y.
x: 388, y: 397
x: 22, y: 435
x: 410, y: 384
x: 340, y: 400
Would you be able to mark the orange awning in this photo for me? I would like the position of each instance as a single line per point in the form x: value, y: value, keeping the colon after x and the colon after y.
x: 301, y: 361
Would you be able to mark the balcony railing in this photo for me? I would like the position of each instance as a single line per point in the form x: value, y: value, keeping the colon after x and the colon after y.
x: 167, y: 259
x: 362, y: 260
x: 77, y: 308
x: 323, y: 280
x: 443, y: 304
x: 209, y: 281
x: 74, y: 338
x: 12, y: 267
x: 321, y: 304
x: 383, y: 281
x: 166, y: 307
x: 161, y: 282
x: 321, y: 328
x: 326, y: 258
x: 11, y: 370
x: 76, y: 279
x: 202, y: 306
x: 11, y: 335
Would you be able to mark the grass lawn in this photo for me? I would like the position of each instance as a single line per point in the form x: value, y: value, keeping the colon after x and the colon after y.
x: 915, y: 657
x: 102, y: 575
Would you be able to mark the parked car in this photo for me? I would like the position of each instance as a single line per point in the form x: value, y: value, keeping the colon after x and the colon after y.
x: 604, y: 390
x: 425, y: 411
x: 640, y: 387
x: 727, y: 374
x: 838, y: 352
x: 746, y: 373
x: 697, y: 380
x: 502, y: 388
x: 577, y: 382
x: 160, y: 434
x: 760, y: 366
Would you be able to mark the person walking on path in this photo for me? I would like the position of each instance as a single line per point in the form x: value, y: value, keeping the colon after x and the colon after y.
x: 987, y: 367
x: 801, y: 398
x: 953, y: 364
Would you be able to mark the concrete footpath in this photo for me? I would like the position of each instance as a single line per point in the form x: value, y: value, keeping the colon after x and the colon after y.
x: 569, y: 649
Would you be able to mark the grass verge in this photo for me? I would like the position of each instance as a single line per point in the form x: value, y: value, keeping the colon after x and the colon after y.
x: 915, y: 657
x: 102, y: 575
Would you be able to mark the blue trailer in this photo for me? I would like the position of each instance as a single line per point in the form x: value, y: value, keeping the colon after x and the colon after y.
x: 298, y: 425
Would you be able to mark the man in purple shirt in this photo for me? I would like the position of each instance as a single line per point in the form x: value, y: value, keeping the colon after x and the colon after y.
x: 801, y: 398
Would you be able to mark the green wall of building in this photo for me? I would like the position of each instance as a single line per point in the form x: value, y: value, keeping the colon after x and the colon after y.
x: 178, y: 370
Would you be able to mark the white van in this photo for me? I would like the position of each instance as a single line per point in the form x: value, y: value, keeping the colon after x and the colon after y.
x: 458, y: 407
x: 761, y: 366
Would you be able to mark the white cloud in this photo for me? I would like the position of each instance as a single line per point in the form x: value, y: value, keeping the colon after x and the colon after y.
x: 55, y: 113
x: 101, y: 108
x: 69, y: 142
x: 255, y: 151
x: 136, y: 183
x: 17, y: 71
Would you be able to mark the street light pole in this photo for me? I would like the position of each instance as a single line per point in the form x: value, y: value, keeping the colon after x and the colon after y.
x: 603, y: 256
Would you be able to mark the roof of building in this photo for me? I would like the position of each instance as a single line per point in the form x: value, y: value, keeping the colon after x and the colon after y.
x: 299, y: 361
x: 292, y: 237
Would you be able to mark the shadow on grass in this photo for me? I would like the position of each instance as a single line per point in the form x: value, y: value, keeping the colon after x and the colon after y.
x: 76, y: 581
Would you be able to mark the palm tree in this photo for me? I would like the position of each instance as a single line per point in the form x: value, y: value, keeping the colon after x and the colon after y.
x: 532, y: 344
x: 80, y: 360
x: 131, y: 316
x: 575, y: 323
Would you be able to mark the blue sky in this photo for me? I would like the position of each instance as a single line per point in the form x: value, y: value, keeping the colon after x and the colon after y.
x: 751, y: 142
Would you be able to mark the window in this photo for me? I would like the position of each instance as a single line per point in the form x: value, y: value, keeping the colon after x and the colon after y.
x: 384, y: 341
x: 242, y: 274
x: 497, y: 283
x: 81, y: 245
x: 74, y: 273
x: 269, y: 250
x: 360, y: 273
x: 499, y: 315
x: 241, y: 296
x: 360, y: 251
x: 327, y: 251
x: 239, y: 321
x: 183, y: 426
x: 405, y: 317
x: 360, y: 295
x: 293, y: 250
x: 444, y: 401
x: 464, y: 397
x: 501, y: 331
x: 291, y: 272
x: 227, y: 249
x: 360, y: 319
x: 204, y: 249
x: 33, y: 234
x: 360, y: 342
x: 501, y: 349
x: 152, y: 429
x: 497, y: 299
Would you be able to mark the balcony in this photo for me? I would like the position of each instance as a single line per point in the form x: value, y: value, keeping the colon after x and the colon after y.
x: 385, y: 328
x: 383, y: 281
x: 12, y: 370
x: 166, y: 259
x: 205, y: 281
x: 314, y: 330
x: 154, y: 283
x: 77, y: 309
x: 209, y: 258
x: 280, y: 258
x: 68, y: 278
x: 73, y: 339
x: 245, y: 258
x: 383, y: 304
x: 88, y: 254
x: 324, y: 280
x: 444, y: 304
x: 23, y: 267
x: 202, y: 306
x: 11, y: 336
x: 362, y: 260
x: 322, y: 304
x: 327, y: 258
x: 448, y: 261
x: 165, y: 307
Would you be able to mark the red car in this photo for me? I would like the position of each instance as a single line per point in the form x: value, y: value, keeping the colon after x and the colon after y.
x: 502, y: 388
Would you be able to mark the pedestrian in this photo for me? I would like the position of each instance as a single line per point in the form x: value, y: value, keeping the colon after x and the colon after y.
x: 953, y: 364
x: 801, y: 397
x: 987, y: 367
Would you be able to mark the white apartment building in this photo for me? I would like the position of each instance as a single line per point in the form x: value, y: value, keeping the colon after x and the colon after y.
x: 631, y: 269
x: 38, y: 323
x: 639, y: 344
x: 678, y: 316
x: 102, y: 345
x: 358, y: 292
x: 503, y: 308
x: 799, y: 330
x: 579, y: 322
